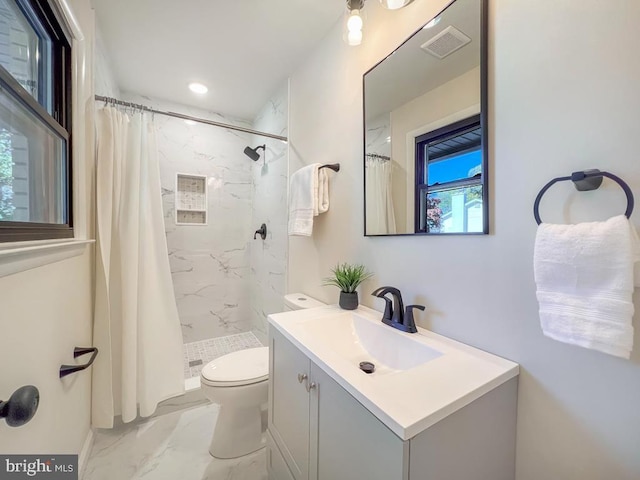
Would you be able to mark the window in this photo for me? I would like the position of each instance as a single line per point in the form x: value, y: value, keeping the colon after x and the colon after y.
x: 449, y: 179
x: 35, y: 123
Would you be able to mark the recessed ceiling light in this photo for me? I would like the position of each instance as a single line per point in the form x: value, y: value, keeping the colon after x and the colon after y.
x: 198, y: 88
x: 190, y: 122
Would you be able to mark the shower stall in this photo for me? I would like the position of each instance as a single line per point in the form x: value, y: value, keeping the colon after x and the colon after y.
x: 214, y: 199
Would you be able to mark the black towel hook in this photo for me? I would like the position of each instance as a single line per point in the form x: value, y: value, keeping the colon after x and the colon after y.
x: 584, y: 181
x: 77, y: 352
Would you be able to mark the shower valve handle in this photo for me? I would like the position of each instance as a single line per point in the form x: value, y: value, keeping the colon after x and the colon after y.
x: 262, y: 231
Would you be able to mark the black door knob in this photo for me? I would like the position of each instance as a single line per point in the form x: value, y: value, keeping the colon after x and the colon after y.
x: 21, y: 406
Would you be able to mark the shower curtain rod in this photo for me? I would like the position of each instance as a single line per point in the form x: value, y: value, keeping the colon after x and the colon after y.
x: 111, y: 100
x: 378, y: 157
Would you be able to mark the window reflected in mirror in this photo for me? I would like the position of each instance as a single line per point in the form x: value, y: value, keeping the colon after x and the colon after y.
x: 449, y: 179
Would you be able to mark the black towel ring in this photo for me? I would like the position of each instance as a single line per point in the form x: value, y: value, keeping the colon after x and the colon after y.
x: 583, y: 181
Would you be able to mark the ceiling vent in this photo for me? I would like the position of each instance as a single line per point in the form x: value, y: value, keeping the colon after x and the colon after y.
x: 446, y: 42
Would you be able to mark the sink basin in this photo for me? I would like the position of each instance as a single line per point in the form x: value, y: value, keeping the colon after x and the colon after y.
x: 419, y: 379
x: 357, y: 338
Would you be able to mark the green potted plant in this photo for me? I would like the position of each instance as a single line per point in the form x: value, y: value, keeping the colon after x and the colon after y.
x: 347, y: 278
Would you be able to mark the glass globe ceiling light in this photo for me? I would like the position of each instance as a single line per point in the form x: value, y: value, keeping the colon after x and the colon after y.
x: 354, y: 28
x: 354, y: 22
x: 395, y: 4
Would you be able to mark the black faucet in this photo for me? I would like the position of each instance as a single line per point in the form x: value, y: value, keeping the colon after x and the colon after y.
x: 394, y: 313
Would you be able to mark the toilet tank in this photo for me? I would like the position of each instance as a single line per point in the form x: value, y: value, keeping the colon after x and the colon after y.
x: 300, y: 301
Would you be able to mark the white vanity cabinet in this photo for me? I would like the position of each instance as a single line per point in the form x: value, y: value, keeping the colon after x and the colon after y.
x: 289, y: 405
x: 318, y: 431
x: 348, y: 442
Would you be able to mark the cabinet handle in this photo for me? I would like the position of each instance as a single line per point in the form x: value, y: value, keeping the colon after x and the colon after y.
x: 311, y: 386
x: 302, y: 377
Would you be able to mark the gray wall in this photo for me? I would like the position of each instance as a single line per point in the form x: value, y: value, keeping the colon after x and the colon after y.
x: 564, y: 96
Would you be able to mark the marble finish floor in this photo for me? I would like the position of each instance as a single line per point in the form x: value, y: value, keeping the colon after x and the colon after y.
x: 169, y: 447
x: 198, y: 354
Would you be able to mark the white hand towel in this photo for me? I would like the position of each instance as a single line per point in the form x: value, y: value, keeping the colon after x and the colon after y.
x: 323, y: 191
x: 303, y: 200
x: 585, y: 281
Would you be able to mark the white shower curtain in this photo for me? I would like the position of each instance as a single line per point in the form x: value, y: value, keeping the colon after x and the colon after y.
x: 380, y: 215
x: 136, y: 325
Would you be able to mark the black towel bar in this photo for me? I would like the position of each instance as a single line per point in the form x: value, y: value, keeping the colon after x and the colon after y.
x: 78, y: 351
x: 332, y: 166
x: 584, y: 181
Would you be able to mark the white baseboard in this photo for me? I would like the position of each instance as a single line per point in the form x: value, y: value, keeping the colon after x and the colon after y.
x: 84, y: 453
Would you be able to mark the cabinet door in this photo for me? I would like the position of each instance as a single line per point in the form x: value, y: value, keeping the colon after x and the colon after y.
x: 289, y: 403
x: 351, y: 443
x: 276, y: 466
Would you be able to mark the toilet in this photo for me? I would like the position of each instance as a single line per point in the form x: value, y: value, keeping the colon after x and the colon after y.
x: 238, y: 382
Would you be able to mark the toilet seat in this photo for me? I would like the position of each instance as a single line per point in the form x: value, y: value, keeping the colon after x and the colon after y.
x: 244, y: 367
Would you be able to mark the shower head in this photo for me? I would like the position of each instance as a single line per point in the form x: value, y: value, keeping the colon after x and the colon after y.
x: 252, y: 153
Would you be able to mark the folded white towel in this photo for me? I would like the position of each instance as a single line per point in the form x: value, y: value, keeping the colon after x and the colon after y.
x: 585, y: 280
x: 323, y: 191
x: 303, y: 200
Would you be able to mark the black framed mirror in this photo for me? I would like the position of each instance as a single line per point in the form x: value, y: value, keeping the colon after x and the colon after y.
x: 425, y: 130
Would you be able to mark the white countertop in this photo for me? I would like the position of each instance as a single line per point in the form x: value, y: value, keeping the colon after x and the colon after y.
x: 408, y: 401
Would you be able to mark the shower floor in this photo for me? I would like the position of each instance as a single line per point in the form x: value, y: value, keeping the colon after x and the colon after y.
x: 198, y: 354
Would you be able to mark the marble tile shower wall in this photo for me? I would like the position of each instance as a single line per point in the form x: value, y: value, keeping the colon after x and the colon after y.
x: 209, y: 263
x: 378, y: 135
x: 269, y: 206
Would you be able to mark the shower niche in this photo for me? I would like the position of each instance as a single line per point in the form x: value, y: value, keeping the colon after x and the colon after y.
x: 191, y: 199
